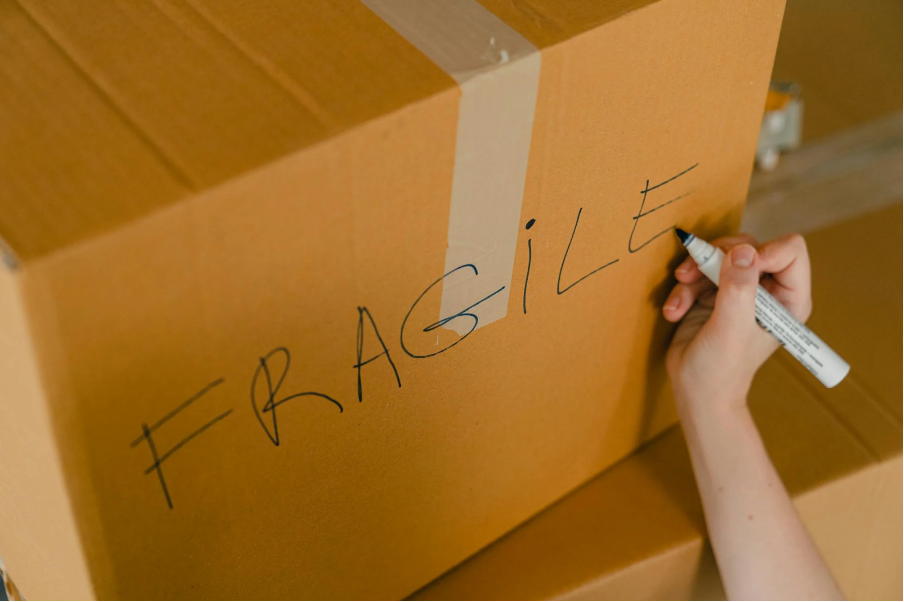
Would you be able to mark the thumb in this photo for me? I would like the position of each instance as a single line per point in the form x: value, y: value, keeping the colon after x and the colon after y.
x: 734, y: 312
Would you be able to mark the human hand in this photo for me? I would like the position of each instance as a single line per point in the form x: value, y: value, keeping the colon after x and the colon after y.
x: 718, y: 347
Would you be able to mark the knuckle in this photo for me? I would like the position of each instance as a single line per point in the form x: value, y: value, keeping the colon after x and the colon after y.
x: 799, y: 308
x: 722, y: 242
x: 737, y: 286
x: 797, y: 241
x: 749, y: 239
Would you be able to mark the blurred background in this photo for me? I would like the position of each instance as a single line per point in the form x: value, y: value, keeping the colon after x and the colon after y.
x: 846, y: 59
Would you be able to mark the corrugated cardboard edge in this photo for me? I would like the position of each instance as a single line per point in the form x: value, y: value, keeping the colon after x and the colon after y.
x: 498, y: 71
x: 675, y: 571
x: 39, y: 537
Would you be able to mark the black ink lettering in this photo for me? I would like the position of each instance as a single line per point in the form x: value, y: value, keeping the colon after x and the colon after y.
x: 362, y: 311
x: 526, y: 277
x: 146, y: 432
x: 559, y: 288
x: 272, y: 390
x: 462, y: 314
x: 528, y: 226
x: 641, y: 213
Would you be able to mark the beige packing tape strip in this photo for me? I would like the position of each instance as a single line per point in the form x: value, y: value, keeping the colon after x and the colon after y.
x: 498, y: 71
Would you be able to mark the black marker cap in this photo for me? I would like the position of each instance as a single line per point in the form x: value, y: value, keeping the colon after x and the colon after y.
x: 682, y: 235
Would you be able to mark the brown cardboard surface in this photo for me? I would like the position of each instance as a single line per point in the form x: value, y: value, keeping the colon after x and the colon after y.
x: 881, y: 574
x: 37, y: 531
x: 606, y: 541
x: 158, y: 325
x: 838, y: 452
x: 62, y: 145
x: 546, y: 23
x: 637, y: 513
x: 863, y: 304
x: 119, y: 114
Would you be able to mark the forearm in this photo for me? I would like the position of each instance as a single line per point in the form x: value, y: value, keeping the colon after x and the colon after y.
x: 761, y: 546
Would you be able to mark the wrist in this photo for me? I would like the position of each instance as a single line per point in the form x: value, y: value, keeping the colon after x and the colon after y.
x: 715, y: 427
x: 728, y: 405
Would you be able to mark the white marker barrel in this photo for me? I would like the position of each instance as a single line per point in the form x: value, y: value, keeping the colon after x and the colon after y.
x: 800, y: 341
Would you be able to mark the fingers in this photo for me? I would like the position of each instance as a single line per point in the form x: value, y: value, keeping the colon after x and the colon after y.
x: 787, y: 260
x: 799, y: 305
x: 691, y: 282
x: 687, y: 271
x: 734, y: 313
x: 683, y: 297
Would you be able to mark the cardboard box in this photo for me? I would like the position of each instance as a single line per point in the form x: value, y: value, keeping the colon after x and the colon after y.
x: 229, y: 368
x: 637, y: 531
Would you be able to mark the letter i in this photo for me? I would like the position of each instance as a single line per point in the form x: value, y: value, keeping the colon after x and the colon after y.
x: 528, y: 226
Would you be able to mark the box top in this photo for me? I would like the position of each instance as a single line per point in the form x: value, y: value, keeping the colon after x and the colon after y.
x: 114, y: 111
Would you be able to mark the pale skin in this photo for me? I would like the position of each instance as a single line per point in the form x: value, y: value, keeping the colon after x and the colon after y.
x: 762, y: 548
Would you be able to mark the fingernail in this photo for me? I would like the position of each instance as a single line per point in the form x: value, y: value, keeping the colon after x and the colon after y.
x: 742, y: 256
x: 671, y: 303
x: 682, y: 268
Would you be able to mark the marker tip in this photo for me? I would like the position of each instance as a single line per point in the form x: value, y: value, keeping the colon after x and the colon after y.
x: 682, y: 235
